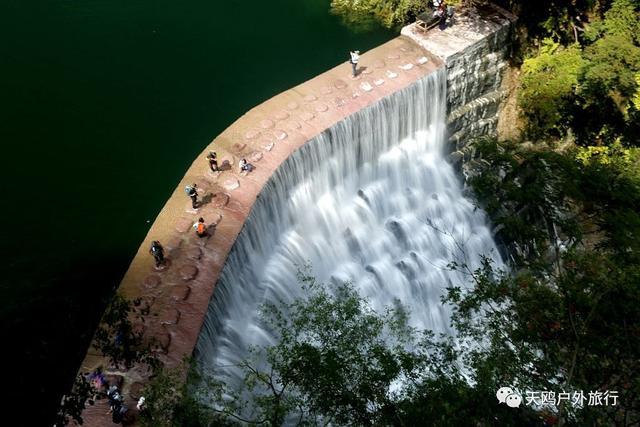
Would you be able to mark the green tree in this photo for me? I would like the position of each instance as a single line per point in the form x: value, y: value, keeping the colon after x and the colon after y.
x: 572, y: 321
x: 118, y: 338
x: 548, y: 88
x: 389, y: 13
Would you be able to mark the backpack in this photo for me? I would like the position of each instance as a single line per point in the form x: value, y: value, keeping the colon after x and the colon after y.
x: 188, y: 189
x: 200, y: 229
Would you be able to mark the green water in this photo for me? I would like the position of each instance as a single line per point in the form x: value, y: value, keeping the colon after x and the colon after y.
x: 104, y: 104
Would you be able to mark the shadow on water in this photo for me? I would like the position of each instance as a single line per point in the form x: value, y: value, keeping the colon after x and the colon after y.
x: 45, y: 338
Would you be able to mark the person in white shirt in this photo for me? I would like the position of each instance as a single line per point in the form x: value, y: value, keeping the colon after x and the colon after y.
x: 355, y: 57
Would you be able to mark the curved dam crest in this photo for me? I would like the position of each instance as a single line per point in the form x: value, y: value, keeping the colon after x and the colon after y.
x: 285, y: 138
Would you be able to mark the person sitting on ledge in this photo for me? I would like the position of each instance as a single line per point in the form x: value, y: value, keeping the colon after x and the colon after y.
x: 245, y: 167
x: 200, y: 227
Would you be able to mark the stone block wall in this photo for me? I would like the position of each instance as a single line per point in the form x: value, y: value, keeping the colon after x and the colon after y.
x: 475, y: 49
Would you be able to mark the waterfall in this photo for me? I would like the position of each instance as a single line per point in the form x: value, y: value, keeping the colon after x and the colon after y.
x: 371, y: 200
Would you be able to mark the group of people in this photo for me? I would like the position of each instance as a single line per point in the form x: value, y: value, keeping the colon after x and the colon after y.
x: 117, y: 407
x: 212, y: 158
x: 200, y: 227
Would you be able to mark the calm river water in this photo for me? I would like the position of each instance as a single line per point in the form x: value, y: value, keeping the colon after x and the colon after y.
x: 103, y: 105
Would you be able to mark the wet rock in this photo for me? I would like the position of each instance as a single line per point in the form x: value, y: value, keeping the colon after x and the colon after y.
x: 238, y: 147
x: 183, y: 224
x: 280, y: 134
x: 169, y: 316
x: 395, y: 227
x: 160, y: 342
x: 307, y: 116
x: 162, y: 267
x: 152, y: 281
x: 256, y: 156
x: 135, y: 391
x: 363, y: 196
x: 293, y: 126
x: 252, y: 134
x: 174, y: 243
x: 219, y: 200
x: 406, y: 270
x: 194, y: 253
x: 456, y: 158
x: 281, y: 115
x: 267, y: 124
x: 146, y: 302
x: 366, y: 86
x: 211, y: 218
x: 231, y: 184
x: 188, y: 272
x: 180, y: 292
x: 340, y: 84
x: 268, y: 146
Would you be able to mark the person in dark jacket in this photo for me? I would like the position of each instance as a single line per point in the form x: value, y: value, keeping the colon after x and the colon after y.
x: 193, y: 194
x: 212, y: 157
x: 158, y: 253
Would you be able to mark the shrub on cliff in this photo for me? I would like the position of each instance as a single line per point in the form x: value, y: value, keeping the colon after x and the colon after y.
x: 389, y: 13
x: 547, y: 95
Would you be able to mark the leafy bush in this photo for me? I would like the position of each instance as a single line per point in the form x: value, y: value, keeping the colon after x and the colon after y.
x: 389, y: 13
x: 548, y: 88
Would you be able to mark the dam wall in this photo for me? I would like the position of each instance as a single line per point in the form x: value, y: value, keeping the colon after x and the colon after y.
x: 476, y: 58
x: 172, y: 301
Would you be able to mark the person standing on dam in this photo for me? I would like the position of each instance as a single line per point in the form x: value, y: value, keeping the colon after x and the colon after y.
x: 355, y: 57
x: 158, y: 253
x: 192, y: 192
x: 212, y: 157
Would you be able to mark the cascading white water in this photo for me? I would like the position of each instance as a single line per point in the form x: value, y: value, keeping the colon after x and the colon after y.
x: 371, y: 200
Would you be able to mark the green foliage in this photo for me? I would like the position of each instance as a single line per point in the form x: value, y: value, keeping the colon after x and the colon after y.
x: 339, y: 354
x: 74, y: 402
x: 524, y: 189
x: 570, y: 331
x: 608, y: 84
x: 622, y: 20
x: 170, y: 402
x: 389, y: 13
x: 571, y: 315
x: 117, y: 338
x: 590, y: 90
x: 548, y: 87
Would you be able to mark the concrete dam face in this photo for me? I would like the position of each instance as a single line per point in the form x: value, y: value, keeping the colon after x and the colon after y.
x: 373, y: 201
